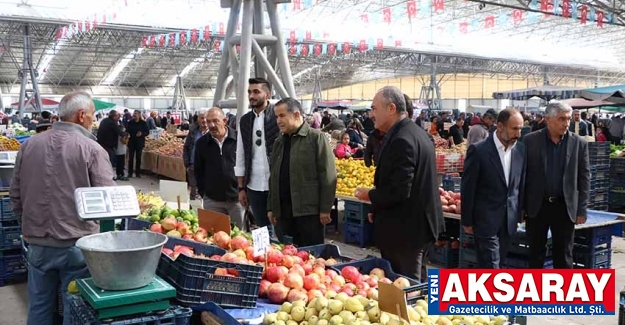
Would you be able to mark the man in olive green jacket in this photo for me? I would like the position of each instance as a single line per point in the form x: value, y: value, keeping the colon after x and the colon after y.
x: 302, y: 184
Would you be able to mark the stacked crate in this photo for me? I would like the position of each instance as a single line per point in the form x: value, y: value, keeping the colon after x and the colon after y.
x: 12, y: 264
x: 356, y: 227
x: 599, y: 156
x: 445, y: 253
x: 593, y: 248
x: 617, y: 185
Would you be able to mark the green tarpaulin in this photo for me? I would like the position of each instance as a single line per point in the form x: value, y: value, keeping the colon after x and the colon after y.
x: 102, y: 105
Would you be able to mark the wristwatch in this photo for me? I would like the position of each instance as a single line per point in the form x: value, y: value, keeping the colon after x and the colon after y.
x: 241, y: 189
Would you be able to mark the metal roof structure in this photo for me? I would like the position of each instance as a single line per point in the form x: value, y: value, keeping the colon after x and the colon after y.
x: 109, y: 60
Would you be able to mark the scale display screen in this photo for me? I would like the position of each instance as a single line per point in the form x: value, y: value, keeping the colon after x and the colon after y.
x: 102, y: 203
x: 94, y: 202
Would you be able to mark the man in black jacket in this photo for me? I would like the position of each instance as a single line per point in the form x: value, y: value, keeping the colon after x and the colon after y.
x: 215, y: 157
x: 109, y: 133
x: 188, y: 150
x: 137, y: 129
x: 408, y: 215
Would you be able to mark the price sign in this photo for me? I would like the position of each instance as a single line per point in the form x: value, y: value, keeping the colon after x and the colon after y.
x: 10, y: 133
x: 261, y: 241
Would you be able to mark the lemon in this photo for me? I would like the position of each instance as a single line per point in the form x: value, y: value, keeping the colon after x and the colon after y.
x: 72, y: 288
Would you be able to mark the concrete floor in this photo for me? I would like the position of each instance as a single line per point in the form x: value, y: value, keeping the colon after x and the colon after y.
x: 14, y: 299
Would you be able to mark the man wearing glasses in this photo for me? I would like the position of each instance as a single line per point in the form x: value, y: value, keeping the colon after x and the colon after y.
x: 256, y: 133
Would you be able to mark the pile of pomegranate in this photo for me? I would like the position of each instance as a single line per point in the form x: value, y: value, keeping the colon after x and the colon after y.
x: 450, y: 200
x: 180, y: 229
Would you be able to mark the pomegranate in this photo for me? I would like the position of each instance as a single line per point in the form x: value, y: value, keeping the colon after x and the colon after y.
x: 350, y: 273
x: 169, y: 223
x: 167, y: 251
x: 294, y: 281
x: 199, y: 238
x: 372, y: 282
x: 362, y: 286
x: 362, y: 293
x: 183, y: 228
x: 311, y: 281
x: 276, y: 273
x: 296, y: 294
x: 320, y: 271
x: 230, y: 257
x: 307, y: 268
x: 249, y: 254
x: 239, y: 242
x: 297, y: 260
x: 372, y: 294
x: 401, y: 283
x: 222, y: 240
x: 334, y: 287
x: 274, y: 256
x: 264, y: 286
x: 240, y: 253
x: 312, y: 294
x: 288, y: 261
x: 201, y: 231
x: 289, y: 250
x: 174, y: 233
x: 305, y: 256
x: 187, y: 237
x: 156, y: 227
x: 378, y: 272
x: 277, y: 293
x: 331, y: 273
x: 215, y: 257
x: 298, y: 269
x: 326, y: 280
x: 221, y: 271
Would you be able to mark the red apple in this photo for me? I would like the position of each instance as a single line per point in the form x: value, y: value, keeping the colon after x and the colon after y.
x: 201, y: 231
x: 334, y: 287
x: 320, y: 271
x: 221, y: 271
x: 241, y: 254
x: 288, y: 261
x: 277, y: 293
x: 372, y: 282
x: 362, y: 293
x: 249, y: 253
x: 294, y: 281
x: 297, y: 260
x: 372, y: 294
x: 308, y: 268
x: 239, y: 242
x: 331, y: 273
x: 298, y: 269
x: 362, y: 286
x: 187, y: 237
x: 156, y: 227
x: 276, y: 273
x: 386, y: 280
x: 264, y: 286
x: 350, y: 274
x: 222, y: 240
x: 312, y: 294
x: 311, y: 281
x: 274, y: 256
x: 289, y: 250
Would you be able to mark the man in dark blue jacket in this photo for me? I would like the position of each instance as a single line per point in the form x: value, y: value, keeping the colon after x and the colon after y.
x: 492, y: 189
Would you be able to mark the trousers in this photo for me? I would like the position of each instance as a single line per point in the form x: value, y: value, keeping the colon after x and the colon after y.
x: 234, y: 209
x: 47, y: 268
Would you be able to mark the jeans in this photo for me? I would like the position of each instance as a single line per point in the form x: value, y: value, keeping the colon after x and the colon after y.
x: 47, y: 267
x: 258, y: 203
x: 134, y: 153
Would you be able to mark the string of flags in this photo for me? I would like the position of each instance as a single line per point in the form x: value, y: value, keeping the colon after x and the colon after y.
x: 306, y: 43
x: 91, y: 22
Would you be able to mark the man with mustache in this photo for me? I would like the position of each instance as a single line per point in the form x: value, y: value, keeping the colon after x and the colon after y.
x: 492, y: 204
x: 215, y: 157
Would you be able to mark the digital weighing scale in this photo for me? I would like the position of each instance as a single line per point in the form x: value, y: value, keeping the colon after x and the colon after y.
x: 106, y: 204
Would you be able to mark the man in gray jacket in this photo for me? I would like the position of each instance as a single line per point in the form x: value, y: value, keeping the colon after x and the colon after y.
x: 48, y: 168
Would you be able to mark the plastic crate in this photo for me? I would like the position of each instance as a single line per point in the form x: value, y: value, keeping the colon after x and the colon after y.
x: 83, y: 314
x: 6, y: 212
x: 359, y: 234
x: 599, y: 160
x: 136, y: 224
x: 10, y: 232
x: 223, y: 317
x: 617, y: 183
x: 599, y: 172
x: 599, y: 148
x: 12, y: 265
x: 444, y: 256
x: 598, y: 196
x: 604, y: 265
x: 196, y: 282
x: 414, y: 292
x: 617, y: 197
x: 600, y: 185
x: 617, y: 166
x: 522, y: 262
x: 594, y: 236
x: 589, y: 257
x: 356, y: 212
x: 327, y: 251
x: 452, y: 228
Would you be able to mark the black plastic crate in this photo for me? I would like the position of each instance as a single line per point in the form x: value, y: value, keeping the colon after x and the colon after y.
x: 594, y: 236
x: 414, y: 292
x: 196, y: 282
x: 12, y: 265
x: 598, y: 196
x: 599, y: 160
x: 522, y: 262
x: 599, y: 148
x: 600, y: 207
x: 600, y: 185
x: 360, y: 234
x: 617, y: 183
x: 604, y: 265
x: 452, y: 228
x: 599, y: 172
x: 617, y: 166
x: 83, y: 314
x: 590, y: 256
x: 444, y: 255
x: 467, y: 254
x: 6, y: 210
x: 327, y: 251
x: 10, y: 232
x: 617, y: 197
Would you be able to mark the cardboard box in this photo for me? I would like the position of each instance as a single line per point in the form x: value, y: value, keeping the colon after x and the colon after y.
x: 172, y: 167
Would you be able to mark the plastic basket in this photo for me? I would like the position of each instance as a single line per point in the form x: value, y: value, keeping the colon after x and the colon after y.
x: 599, y: 148
x: 359, y: 234
x: 136, y: 224
x: 599, y: 172
x: 196, y: 282
x: 444, y: 256
x: 6, y: 212
x: 589, y: 257
x: 598, y: 196
x: 223, y: 318
x: 12, y: 265
x: 327, y: 251
x: 600, y: 185
x: 10, y: 232
x: 599, y: 160
x: 83, y: 314
x: 594, y: 236
x: 416, y: 290
x: 617, y: 166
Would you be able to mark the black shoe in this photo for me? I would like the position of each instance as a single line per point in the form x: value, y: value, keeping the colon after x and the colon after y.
x: 138, y: 176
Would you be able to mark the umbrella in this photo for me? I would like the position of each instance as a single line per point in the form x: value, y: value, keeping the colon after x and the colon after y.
x: 46, y: 103
x: 102, y: 105
x: 546, y: 92
x: 614, y: 94
x: 581, y: 103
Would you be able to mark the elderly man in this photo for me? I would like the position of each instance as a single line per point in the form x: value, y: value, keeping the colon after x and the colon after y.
x: 42, y: 195
x: 482, y: 130
x: 405, y: 200
x: 188, y: 150
x: 303, y: 178
x: 109, y: 132
x: 215, y: 157
x: 557, y: 187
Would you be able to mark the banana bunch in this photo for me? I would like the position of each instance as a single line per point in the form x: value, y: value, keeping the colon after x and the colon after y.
x: 147, y: 201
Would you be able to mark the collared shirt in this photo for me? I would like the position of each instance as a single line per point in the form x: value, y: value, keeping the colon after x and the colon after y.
x: 259, y: 176
x: 505, y: 156
x: 221, y: 143
x: 555, y: 158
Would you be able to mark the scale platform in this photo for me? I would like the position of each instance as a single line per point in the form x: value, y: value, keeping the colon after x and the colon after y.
x: 110, y: 304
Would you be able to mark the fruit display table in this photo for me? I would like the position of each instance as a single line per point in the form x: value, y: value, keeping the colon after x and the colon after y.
x: 172, y: 167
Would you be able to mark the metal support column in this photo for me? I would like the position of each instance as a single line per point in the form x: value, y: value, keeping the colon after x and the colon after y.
x: 180, y: 98
x: 431, y: 94
x: 245, y: 56
x: 29, y: 96
x: 222, y: 77
x: 546, y: 79
x: 317, y: 96
x: 598, y: 79
x: 259, y: 29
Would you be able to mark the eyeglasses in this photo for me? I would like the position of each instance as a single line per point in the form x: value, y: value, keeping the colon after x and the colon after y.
x: 259, y: 141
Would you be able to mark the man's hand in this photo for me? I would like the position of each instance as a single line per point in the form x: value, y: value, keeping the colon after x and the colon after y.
x: 325, y: 218
x: 139, y: 133
x: 243, y: 198
x: 370, y: 217
x: 468, y: 229
x: 580, y: 220
x: 360, y: 146
x: 362, y: 194
x: 271, y: 218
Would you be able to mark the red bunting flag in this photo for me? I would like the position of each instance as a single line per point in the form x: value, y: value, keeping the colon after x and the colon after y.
x: 380, y: 44
x: 439, y: 5
x: 364, y: 18
x: 304, y: 51
x: 517, y: 16
x: 566, y: 8
x: 194, y: 35
x: 144, y: 41
x: 332, y: 48
x: 217, y: 45
x: 397, y: 43
x: 161, y: 41
x: 59, y: 33
x: 207, y: 32
x: 222, y: 29
x: 308, y: 35
x: 183, y: 37
x: 584, y: 16
x: 347, y: 47
x: 172, y: 39
x: 292, y: 49
x: 489, y: 22
x: 544, y: 5
x: 297, y: 4
x: 362, y: 46
x: 292, y: 36
x: 464, y: 27
x: 104, y: 18
x: 411, y: 7
x: 317, y: 49
x: 599, y: 19
x: 386, y: 14
x: 153, y: 41
x: 94, y: 24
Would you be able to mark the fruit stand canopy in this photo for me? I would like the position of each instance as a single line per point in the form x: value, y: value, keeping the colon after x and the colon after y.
x: 547, y: 92
x: 29, y: 105
x: 614, y: 94
x: 581, y: 103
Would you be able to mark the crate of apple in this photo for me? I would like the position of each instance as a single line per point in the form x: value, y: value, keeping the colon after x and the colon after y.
x: 451, y: 201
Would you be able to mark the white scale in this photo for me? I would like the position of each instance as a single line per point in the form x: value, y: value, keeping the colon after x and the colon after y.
x: 106, y: 203
x: 8, y: 157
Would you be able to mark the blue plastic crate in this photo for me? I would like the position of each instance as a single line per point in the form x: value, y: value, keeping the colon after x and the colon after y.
x: 12, y: 265
x: 589, y: 257
x: 356, y: 210
x: 6, y: 212
x: 599, y: 160
x: 599, y: 172
x: 444, y: 256
x: 599, y: 148
x: 357, y: 233
x: 416, y: 290
x: 600, y: 185
x: 136, y: 224
x: 10, y: 232
x: 594, y: 236
x: 83, y: 314
x: 522, y: 262
x: 327, y: 251
x: 223, y: 317
x: 617, y: 167
x: 195, y: 280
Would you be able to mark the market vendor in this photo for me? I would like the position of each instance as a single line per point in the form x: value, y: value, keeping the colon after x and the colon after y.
x: 42, y: 197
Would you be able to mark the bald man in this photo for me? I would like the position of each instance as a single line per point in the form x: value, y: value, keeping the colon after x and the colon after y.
x: 215, y: 157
